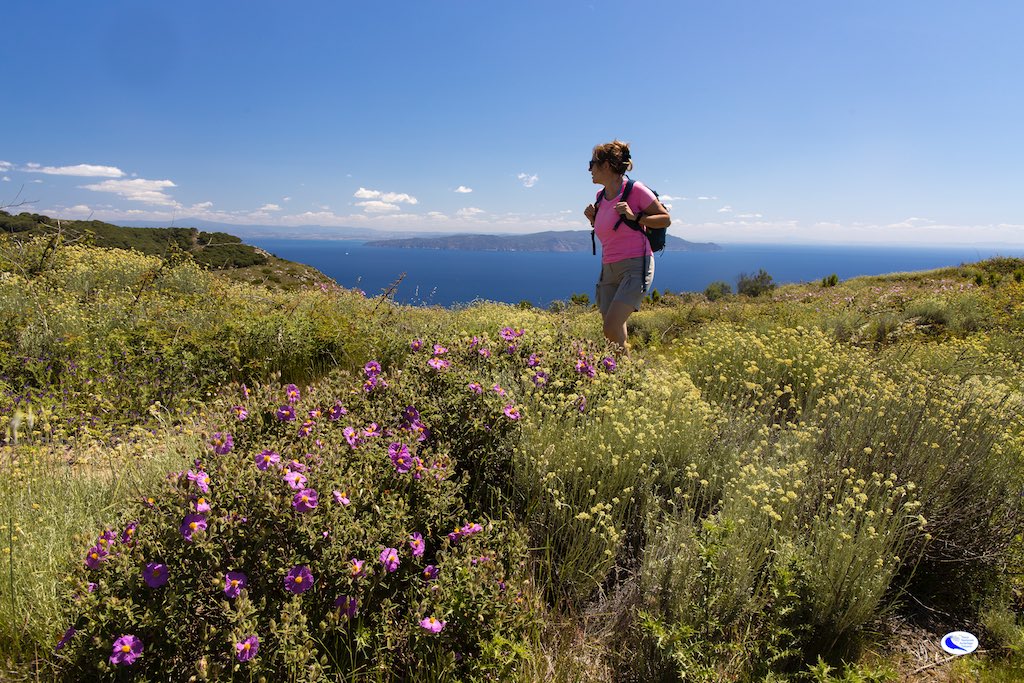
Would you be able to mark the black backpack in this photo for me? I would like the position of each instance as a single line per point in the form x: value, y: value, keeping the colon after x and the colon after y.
x: 656, y: 236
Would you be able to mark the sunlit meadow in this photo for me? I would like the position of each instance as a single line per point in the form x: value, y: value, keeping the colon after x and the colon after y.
x: 205, y: 480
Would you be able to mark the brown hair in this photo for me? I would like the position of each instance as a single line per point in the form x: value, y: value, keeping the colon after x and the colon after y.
x: 616, y: 153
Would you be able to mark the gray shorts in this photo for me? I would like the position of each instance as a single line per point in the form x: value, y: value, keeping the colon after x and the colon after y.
x: 624, y: 281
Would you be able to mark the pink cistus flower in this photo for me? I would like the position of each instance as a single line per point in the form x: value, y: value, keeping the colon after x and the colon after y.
x: 540, y: 378
x: 234, y: 582
x: 400, y: 458
x: 496, y: 388
x: 264, y: 459
x: 485, y: 353
x: 298, y: 579
x: 222, y: 443
x: 430, y: 572
x: 307, y: 428
x: 372, y: 430
x: 128, y: 534
x: 200, y: 504
x: 373, y: 383
x: 95, y: 556
x: 372, y: 368
x: 286, y: 414
x: 127, y: 649
x: 294, y: 479
x: 439, y: 350
x: 315, y: 414
x: 609, y: 364
x: 511, y: 412
x: 464, y: 532
x: 585, y: 368
x: 417, y: 544
x: 245, y: 392
x: 439, y: 364
x: 305, y: 500
x: 65, y: 639
x: 337, y: 410
x: 292, y: 395
x: 355, y: 568
x: 389, y: 558
x: 155, y: 574
x: 533, y: 361
x: 201, y: 480
x: 351, y: 436
x: 349, y: 606
x: 432, y: 624
x: 507, y: 333
x: 191, y: 524
x: 475, y: 388
x: 341, y: 498
x: 416, y: 345
x: 247, y: 649
x: 241, y: 412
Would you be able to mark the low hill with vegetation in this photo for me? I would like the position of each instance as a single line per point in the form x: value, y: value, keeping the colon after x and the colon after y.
x: 208, y: 479
x: 211, y: 250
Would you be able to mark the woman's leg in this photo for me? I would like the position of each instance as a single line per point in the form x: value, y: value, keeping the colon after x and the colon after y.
x: 615, y: 323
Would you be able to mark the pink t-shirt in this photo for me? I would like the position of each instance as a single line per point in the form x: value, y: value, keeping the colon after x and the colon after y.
x: 624, y: 243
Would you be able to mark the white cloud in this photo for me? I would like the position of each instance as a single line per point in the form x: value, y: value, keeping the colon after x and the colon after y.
x: 201, y: 206
x: 527, y: 179
x: 387, y: 197
x: 469, y: 212
x: 6, y: 166
x: 286, y: 199
x: 912, y: 222
x: 749, y: 215
x: 7, y: 179
x: 269, y: 207
x: 376, y: 206
x: 436, y: 215
x: 462, y: 189
x: 137, y: 190
x: 670, y: 198
x: 725, y: 209
x: 37, y: 181
x: 82, y: 170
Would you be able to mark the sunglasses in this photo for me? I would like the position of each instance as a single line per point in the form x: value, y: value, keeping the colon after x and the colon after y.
x: 594, y: 162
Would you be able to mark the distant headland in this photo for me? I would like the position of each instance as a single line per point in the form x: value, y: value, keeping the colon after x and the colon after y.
x: 559, y: 241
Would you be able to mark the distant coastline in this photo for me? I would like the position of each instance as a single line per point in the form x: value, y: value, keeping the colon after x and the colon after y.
x: 552, y: 241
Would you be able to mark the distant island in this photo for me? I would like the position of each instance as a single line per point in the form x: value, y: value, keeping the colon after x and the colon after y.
x: 565, y: 240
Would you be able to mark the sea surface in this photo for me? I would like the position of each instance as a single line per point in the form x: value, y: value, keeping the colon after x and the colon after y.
x: 452, y: 277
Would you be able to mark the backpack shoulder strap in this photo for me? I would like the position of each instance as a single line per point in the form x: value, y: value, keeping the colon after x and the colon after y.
x: 597, y: 205
x: 625, y: 195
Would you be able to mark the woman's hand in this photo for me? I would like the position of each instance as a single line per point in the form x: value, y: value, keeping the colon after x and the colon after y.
x: 590, y: 212
x: 625, y: 211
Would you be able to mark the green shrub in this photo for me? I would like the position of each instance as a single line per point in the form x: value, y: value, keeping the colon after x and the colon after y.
x: 754, y: 285
x: 717, y: 290
x: 364, y: 487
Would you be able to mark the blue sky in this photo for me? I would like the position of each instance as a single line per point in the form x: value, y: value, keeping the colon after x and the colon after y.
x: 795, y: 121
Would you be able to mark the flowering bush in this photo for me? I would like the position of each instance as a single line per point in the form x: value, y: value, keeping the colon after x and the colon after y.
x: 338, y: 546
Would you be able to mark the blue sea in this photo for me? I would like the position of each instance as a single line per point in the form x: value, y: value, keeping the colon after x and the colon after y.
x: 452, y: 277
